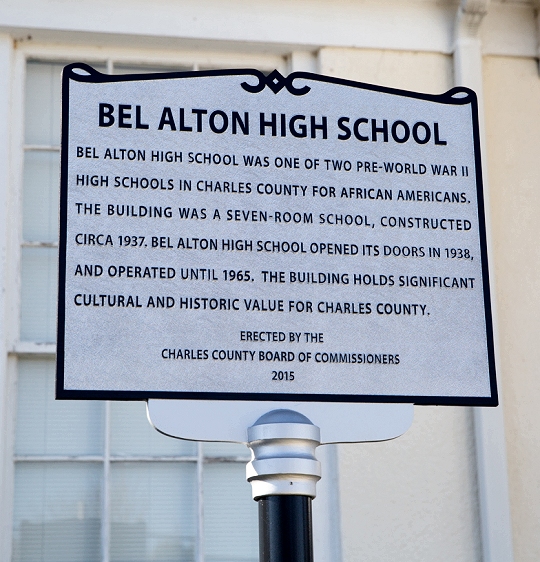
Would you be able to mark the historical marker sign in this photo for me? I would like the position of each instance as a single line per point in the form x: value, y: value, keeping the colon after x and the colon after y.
x: 228, y: 235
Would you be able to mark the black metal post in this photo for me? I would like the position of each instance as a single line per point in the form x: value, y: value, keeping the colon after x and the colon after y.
x: 285, y: 530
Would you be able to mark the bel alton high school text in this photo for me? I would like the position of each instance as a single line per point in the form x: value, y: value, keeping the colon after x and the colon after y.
x: 126, y: 116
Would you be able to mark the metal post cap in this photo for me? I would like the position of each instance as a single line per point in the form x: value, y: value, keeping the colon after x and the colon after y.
x: 283, y: 444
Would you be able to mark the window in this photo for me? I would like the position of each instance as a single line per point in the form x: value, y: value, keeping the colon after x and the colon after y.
x: 93, y: 480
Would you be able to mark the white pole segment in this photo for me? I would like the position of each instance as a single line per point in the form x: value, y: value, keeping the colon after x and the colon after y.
x: 491, y: 460
x: 496, y: 524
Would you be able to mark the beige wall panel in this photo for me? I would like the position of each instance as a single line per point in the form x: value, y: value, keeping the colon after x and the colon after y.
x: 512, y: 106
x: 412, y: 499
x: 421, y: 72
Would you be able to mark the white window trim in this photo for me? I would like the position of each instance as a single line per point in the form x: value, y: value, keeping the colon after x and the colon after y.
x: 12, y: 68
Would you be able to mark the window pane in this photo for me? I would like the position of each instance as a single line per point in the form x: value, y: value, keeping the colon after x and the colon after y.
x: 153, y: 512
x: 230, y: 515
x: 49, y: 427
x: 38, y: 294
x: 43, y: 104
x: 132, y: 434
x: 226, y: 450
x: 57, y: 512
x: 41, y: 192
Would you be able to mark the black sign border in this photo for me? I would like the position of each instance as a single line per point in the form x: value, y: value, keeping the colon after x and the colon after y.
x: 275, y: 81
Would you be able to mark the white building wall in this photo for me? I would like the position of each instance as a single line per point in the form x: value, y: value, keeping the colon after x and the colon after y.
x: 512, y: 103
x: 413, y: 499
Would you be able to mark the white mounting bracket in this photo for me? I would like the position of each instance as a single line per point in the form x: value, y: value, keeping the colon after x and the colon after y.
x: 228, y: 420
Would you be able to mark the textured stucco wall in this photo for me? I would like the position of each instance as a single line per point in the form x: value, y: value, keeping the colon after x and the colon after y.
x: 512, y: 105
x: 413, y: 499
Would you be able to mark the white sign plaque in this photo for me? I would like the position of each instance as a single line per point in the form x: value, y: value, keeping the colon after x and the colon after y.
x: 231, y: 235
